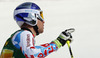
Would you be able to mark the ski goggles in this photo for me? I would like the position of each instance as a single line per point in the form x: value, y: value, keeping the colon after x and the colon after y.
x: 40, y: 16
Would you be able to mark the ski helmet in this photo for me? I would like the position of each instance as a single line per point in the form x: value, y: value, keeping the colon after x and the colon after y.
x: 28, y: 13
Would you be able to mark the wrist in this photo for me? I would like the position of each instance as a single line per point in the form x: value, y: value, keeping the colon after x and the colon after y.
x: 57, y: 43
x: 62, y: 41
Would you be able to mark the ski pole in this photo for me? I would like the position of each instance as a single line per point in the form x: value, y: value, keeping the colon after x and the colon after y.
x: 68, y: 43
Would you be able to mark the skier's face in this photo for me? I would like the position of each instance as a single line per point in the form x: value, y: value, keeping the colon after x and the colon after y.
x: 40, y: 25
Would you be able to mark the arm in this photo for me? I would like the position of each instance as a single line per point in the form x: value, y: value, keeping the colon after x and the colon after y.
x: 25, y: 42
x: 27, y: 45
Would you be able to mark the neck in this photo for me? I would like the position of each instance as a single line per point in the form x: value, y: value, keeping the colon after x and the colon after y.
x: 33, y: 31
x: 30, y: 29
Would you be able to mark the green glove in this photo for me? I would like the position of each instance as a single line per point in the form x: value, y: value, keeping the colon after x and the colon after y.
x: 63, y: 37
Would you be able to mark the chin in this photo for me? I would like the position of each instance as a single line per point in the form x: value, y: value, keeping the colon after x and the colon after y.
x: 41, y: 31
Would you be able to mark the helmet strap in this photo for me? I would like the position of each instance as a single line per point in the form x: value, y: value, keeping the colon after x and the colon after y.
x: 36, y: 29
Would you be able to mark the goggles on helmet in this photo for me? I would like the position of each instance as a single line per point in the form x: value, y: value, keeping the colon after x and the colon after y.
x: 40, y: 16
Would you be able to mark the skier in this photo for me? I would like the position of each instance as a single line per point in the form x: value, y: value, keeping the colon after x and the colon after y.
x: 21, y: 44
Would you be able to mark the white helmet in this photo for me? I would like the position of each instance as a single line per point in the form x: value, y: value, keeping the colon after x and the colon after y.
x: 28, y: 13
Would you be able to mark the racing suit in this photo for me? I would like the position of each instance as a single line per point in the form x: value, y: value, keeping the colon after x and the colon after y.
x: 21, y: 44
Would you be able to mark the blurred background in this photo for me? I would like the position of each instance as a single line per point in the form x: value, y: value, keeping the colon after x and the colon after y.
x: 83, y: 15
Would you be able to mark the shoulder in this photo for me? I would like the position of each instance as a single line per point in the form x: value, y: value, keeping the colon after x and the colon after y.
x: 22, y: 34
x: 25, y: 32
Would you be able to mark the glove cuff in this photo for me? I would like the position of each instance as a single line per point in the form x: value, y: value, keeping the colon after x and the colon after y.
x: 62, y: 41
x: 57, y: 43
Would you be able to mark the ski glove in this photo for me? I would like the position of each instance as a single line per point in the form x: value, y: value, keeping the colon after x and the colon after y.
x: 64, y: 37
